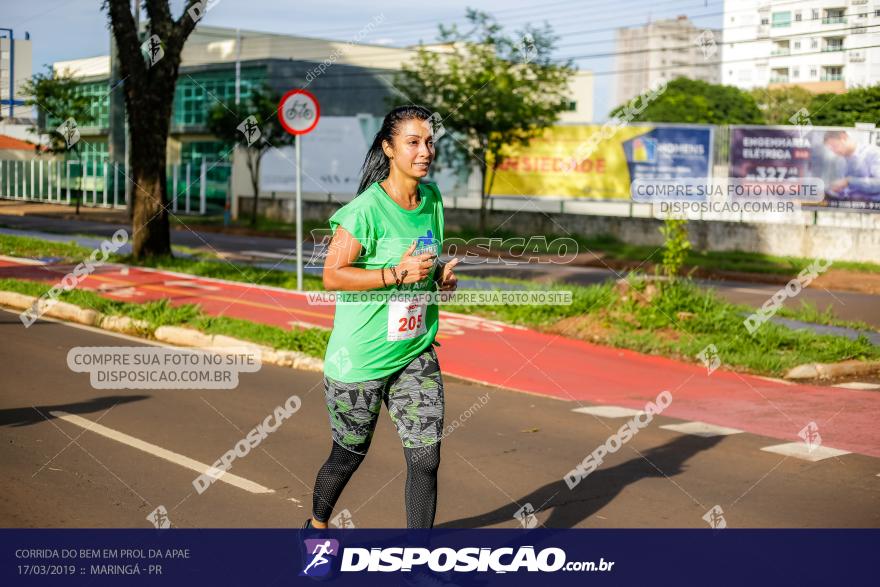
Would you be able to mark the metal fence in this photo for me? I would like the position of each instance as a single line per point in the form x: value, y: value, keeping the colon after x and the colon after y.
x: 202, y: 188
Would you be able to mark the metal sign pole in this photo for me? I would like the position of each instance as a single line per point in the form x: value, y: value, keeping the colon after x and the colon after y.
x: 299, y: 235
x: 298, y: 113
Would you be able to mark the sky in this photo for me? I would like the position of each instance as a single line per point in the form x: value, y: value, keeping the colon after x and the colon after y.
x: 72, y: 29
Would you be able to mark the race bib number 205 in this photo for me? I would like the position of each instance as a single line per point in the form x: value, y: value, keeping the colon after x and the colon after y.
x: 406, y: 319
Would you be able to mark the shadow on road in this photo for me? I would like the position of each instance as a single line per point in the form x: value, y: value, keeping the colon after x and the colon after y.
x: 16, y: 417
x: 573, y: 506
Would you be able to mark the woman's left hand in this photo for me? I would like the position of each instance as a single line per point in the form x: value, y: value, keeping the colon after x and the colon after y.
x: 448, y: 281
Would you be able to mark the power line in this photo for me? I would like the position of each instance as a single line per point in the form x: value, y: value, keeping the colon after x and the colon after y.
x: 745, y: 60
x: 382, y: 57
x: 542, y: 10
x: 722, y: 43
x: 615, y: 12
x: 640, y: 51
x: 379, y: 74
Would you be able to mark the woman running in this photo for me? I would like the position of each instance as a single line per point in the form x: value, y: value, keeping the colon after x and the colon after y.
x: 388, y: 239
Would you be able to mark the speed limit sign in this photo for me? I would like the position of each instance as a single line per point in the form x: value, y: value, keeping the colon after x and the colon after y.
x: 299, y: 112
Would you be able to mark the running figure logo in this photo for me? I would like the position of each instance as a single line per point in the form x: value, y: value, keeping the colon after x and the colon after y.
x: 319, y: 549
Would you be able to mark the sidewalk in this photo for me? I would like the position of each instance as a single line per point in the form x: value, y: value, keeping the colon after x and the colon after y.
x: 524, y: 360
x: 17, y: 208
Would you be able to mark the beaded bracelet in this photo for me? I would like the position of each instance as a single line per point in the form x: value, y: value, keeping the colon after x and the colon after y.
x: 382, y: 271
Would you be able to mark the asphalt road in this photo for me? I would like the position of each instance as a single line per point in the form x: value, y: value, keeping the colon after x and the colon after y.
x: 511, y: 450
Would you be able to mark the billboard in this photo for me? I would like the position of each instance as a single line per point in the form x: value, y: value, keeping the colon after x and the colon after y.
x: 331, y: 159
x: 845, y: 159
x: 557, y: 164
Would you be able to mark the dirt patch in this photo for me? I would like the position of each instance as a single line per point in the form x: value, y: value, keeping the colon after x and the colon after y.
x: 848, y: 280
x: 591, y: 328
x: 595, y: 328
x: 667, y: 334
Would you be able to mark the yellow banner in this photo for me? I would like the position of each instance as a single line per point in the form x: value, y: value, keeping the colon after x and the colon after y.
x: 560, y: 163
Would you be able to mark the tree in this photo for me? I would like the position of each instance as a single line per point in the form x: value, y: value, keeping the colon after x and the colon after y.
x: 57, y: 95
x: 699, y: 102
x: 779, y: 105
x: 149, y: 70
x: 856, y: 105
x: 256, y: 125
x: 490, y: 90
x: 61, y: 109
x: 675, y: 245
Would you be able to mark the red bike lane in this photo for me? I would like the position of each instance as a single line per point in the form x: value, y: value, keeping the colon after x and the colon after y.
x: 525, y: 360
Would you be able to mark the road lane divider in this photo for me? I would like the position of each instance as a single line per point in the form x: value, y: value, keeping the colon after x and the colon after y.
x: 805, y: 452
x: 163, y: 453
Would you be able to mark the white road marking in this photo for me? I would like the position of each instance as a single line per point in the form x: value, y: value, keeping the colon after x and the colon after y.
x: 608, y: 411
x: 21, y: 260
x: 749, y: 290
x: 800, y: 450
x: 701, y: 429
x: 124, y: 292
x: 776, y: 380
x: 158, y: 451
x: 191, y: 284
x: 304, y: 324
x: 858, y: 385
x: 267, y: 255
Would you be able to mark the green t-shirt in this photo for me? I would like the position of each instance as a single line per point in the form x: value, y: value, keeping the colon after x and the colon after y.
x: 373, y: 340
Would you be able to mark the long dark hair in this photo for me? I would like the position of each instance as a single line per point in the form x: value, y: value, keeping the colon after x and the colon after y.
x: 376, y: 165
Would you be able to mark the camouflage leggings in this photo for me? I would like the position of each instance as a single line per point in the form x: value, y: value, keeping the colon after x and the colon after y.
x: 413, y: 396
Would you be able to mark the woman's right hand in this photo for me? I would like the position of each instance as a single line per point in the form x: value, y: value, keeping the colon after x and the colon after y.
x: 417, y: 267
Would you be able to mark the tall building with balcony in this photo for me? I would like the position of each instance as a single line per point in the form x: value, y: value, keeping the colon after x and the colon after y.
x: 663, y: 50
x: 15, y: 70
x: 823, y: 46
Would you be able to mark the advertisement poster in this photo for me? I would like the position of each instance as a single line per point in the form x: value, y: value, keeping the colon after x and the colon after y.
x: 845, y: 159
x: 571, y: 160
x: 332, y: 157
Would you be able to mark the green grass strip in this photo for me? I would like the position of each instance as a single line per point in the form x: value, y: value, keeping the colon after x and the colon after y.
x: 312, y: 341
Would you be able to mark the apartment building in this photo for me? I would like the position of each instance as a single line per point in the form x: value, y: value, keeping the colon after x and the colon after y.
x: 663, y: 50
x: 820, y: 45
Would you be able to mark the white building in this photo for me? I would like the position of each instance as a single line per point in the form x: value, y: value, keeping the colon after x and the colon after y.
x: 823, y: 46
x: 661, y: 51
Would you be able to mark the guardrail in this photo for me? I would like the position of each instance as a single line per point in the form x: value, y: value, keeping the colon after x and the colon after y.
x: 201, y: 188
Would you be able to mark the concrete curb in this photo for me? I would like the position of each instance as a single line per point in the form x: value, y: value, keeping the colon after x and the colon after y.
x: 175, y: 335
x: 832, y: 370
x: 182, y: 336
x: 125, y: 325
x: 73, y: 313
x: 16, y: 300
x: 51, y: 308
x: 282, y: 358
